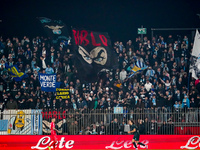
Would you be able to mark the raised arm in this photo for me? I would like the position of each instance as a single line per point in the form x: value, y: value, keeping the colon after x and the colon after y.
x: 162, y: 81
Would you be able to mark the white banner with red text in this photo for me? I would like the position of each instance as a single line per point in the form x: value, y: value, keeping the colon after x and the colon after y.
x: 107, y: 142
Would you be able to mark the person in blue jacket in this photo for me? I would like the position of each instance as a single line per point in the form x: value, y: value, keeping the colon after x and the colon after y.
x: 186, y: 102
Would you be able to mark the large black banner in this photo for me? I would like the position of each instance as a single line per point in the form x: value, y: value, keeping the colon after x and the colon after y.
x: 93, y: 52
x: 55, y: 29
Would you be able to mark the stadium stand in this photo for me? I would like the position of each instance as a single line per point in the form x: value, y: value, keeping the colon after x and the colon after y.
x: 163, y: 89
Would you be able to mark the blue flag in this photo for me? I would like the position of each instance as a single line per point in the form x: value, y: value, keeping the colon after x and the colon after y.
x: 47, y: 82
x: 139, y: 66
x: 15, y: 73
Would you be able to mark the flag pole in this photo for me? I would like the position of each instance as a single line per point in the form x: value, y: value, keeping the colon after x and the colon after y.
x: 188, y: 82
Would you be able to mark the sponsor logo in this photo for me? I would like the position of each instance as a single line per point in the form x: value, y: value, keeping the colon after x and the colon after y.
x: 124, y: 144
x: 44, y: 142
x: 192, y: 143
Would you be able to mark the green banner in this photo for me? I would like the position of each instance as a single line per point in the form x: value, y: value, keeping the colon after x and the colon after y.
x: 142, y: 30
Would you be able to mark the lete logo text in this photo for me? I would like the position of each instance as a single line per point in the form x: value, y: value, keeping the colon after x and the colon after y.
x: 124, y: 144
x: 192, y: 143
x: 44, y: 142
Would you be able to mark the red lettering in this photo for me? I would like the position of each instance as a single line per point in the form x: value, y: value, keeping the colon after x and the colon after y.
x: 103, y: 40
x: 50, y: 115
x: 76, y: 36
x: 94, y: 41
x: 64, y: 114
x: 55, y: 114
x: 83, y: 36
x: 45, y: 115
x: 59, y: 116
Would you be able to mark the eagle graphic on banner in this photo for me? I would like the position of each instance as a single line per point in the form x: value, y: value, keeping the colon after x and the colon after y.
x: 55, y: 29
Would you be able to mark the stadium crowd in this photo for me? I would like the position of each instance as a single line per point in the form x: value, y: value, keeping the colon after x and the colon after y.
x: 165, y: 86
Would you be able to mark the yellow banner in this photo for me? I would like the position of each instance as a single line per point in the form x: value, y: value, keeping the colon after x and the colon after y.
x: 62, y: 93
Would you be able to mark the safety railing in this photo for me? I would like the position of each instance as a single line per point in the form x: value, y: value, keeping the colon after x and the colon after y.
x: 101, y: 121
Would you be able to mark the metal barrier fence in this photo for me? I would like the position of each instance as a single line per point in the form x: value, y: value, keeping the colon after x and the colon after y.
x: 99, y: 122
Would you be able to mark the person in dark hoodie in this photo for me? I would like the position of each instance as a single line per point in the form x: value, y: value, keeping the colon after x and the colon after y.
x: 11, y: 104
x: 163, y: 128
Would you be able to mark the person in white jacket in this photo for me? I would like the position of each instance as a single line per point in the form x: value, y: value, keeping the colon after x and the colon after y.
x: 122, y: 75
x: 148, y: 85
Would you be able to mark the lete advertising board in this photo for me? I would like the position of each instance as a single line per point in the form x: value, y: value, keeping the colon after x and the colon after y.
x: 107, y: 142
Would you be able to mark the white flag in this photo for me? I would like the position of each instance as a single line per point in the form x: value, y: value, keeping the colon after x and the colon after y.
x: 195, y: 58
x: 196, y: 46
